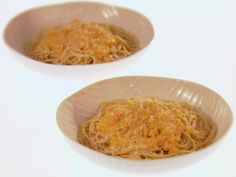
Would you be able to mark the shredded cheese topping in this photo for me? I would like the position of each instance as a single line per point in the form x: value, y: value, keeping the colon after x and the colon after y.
x: 147, y: 129
x: 82, y: 43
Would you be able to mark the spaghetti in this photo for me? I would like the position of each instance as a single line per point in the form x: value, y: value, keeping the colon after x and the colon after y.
x: 82, y: 43
x: 147, y: 129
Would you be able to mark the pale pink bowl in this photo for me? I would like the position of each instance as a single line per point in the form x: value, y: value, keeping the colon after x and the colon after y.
x: 84, y: 104
x: 25, y: 25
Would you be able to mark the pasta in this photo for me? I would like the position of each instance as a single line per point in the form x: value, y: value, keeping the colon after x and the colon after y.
x: 82, y: 43
x: 147, y: 128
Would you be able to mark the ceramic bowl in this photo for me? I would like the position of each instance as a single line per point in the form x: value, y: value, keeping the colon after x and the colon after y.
x: 25, y: 26
x: 84, y: 104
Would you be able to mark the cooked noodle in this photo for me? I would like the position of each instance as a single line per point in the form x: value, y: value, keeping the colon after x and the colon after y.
x: 147, y: 129
x: 82, y: 43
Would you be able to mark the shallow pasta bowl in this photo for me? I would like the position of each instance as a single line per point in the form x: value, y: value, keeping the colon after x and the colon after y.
x: 24, y: 27
x: 84, y: 104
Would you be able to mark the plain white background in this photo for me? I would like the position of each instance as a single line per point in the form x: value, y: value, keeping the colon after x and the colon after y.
x: 195, y: 40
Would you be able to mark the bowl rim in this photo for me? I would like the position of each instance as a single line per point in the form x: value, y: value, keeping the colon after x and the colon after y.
x: 208, y: 147
x: 152, y: 29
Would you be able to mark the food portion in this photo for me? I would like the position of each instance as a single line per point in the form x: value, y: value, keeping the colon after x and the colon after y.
x: 147, y: 128
x: 80, y: 43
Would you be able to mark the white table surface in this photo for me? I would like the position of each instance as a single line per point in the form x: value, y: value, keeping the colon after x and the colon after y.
x: 195, y: 40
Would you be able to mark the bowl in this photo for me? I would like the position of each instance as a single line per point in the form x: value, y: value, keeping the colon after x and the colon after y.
x: 24, y: 27
x: 83, y: 104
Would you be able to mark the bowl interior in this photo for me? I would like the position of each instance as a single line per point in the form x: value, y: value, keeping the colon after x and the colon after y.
x: 24, y: 26
x: 84, y: 104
